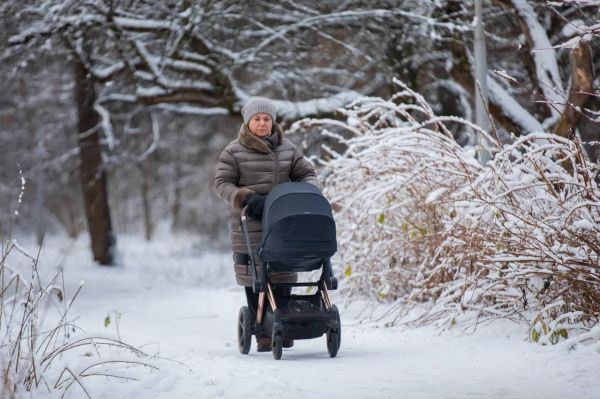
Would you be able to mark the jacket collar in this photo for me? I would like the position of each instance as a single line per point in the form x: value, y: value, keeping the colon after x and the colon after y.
x: 249, y: 140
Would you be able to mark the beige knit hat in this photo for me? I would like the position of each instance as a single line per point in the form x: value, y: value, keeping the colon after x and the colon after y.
x: 257, y: 105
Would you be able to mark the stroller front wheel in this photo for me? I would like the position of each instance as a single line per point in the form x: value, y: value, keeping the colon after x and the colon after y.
x: 333, y: 343
x: 277, y: 345
x: 244, y: 331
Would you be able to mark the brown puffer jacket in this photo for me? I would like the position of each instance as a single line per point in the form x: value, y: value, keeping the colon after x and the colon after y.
x: 250, y: 165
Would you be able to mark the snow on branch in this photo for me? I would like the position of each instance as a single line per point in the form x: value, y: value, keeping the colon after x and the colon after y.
x: 153, y: 62
x: 511, y: 107
x: 56, y: 22
x: 180, y: 108
x: 543, y: 53
x: 193, y: 110
x: 106, y: 72
x: 318, y: 106
x: 155, y: 139
x: 146, y: 24
x: 106, y: 124
x: 343, y: 17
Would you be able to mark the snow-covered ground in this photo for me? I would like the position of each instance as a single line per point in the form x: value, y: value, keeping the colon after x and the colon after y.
x: 174, y: 299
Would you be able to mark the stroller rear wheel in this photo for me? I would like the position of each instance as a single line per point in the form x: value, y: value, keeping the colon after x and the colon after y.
x: 244, y: 332
x: 333, y: 343
x: 334, y: 335
x: 277, y: 345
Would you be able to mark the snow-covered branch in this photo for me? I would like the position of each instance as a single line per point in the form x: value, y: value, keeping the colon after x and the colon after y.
x: 543, y: 54
x: 345, y: 16
x: 512, y: 109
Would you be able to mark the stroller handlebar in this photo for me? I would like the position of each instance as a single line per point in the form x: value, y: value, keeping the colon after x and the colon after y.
x: 244, y: 214
x: 255, y: 276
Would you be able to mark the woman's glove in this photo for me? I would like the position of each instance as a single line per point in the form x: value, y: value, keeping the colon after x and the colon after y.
x: 256, y: 205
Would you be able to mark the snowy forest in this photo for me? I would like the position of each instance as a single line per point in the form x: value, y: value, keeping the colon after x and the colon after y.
x: 457, y: 141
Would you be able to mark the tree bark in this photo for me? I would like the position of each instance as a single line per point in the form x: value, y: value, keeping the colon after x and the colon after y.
x: 145, y: 171
x: 176, y: 207
x: 582, y: 77
x: 93, y: 178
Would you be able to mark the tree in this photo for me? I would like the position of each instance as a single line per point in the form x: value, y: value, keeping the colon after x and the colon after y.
x: 93, y: 177
x: 127, y: 56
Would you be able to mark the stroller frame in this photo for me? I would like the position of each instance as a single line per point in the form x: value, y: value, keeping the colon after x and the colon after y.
x: 289, y: 317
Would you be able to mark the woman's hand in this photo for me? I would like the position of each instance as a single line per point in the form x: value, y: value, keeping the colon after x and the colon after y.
x: 256, y: 205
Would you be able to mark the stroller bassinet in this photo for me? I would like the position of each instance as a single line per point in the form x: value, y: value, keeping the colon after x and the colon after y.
x: 298, y: 236
x: 298, y: 228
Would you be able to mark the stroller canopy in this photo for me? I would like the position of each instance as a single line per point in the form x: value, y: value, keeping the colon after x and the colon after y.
x: 298, y: 228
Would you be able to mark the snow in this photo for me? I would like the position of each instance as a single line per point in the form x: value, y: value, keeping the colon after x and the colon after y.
x: 177, y: 299
x: 187, y: 66
x: 41, y: 28
x: 193, y: 110
x: 584, y: 224
x: 106, y: 124
x: 195, y: 56
x: 106, y: 72
x: 435, y: 195
x: 23, y: 250
x: 150, y: 91
x: 502, y: 73
x: 573, y: 27
x: 146, y: 24
x: 585, y: 35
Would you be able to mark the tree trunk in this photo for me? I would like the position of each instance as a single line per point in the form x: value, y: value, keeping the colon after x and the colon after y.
x: 93, y: 178
x: 176, y: 208
x: 145, y: 170
x: 40, y: 189
x: 582, y: 76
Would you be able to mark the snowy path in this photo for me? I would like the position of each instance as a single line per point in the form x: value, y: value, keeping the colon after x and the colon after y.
x: 186, y: 311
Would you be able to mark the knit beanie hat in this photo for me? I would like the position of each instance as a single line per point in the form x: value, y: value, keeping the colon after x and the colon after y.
x: 257, y: 105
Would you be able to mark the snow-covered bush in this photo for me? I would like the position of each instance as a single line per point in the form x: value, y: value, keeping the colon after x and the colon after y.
x: 420, y: 221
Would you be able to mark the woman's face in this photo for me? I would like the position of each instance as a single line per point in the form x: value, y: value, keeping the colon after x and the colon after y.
x: 260, y: 125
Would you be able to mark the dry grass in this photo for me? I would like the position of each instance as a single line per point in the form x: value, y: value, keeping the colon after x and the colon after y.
x: 41, y: 347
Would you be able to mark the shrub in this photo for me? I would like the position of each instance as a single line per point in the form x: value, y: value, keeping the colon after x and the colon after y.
x: 420, y: 221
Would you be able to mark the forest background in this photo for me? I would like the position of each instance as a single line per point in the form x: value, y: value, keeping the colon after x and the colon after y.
x: 113, y: 113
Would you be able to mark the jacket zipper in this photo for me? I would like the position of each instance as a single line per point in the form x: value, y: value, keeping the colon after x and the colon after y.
x: 276, y: 157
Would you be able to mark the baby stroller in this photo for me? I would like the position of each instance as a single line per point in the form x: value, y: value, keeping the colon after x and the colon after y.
x: 298, y: 236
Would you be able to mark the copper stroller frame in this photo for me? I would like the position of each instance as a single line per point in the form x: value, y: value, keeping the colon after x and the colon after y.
x: 264, y: 287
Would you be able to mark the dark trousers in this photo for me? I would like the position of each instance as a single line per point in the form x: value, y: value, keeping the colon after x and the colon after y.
x: 252, y: 298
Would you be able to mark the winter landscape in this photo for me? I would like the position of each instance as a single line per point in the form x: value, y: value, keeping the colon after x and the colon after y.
x: 456, y: 141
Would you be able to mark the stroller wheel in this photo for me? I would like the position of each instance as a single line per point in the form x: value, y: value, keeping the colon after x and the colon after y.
x: 244, y: 331
x: 337, y: 314
x: 333, y: 343
x: 277, y: 345
x: 334, y: 335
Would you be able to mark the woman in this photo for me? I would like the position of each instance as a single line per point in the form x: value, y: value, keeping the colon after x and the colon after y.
x: 248, y: 168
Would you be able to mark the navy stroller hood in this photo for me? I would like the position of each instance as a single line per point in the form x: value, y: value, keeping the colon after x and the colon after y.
x: 298, y: 227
